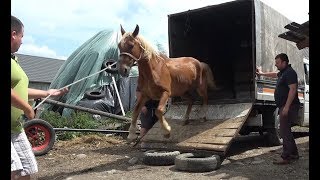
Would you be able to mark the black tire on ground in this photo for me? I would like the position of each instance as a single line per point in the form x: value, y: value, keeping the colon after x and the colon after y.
x: 273, y: 134
x: 191, y: 162
x: 159, y: 158
x: 113, y: 69
x: 41, y: 135
x: 94, y: 95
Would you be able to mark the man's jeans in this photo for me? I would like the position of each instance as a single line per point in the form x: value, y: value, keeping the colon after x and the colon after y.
x: 289, y: 145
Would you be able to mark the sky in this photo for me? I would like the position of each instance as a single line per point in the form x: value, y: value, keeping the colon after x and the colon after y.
x: 57, y: 28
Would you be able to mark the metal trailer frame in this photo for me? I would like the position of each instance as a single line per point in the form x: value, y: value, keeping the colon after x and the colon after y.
x: 92, y: 111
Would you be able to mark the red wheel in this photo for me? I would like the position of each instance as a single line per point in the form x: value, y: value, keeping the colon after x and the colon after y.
x: 41, y: 135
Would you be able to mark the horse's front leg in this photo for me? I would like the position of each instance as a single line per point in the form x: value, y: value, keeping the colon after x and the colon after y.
x: 159, y: 113
x: 133, y: 126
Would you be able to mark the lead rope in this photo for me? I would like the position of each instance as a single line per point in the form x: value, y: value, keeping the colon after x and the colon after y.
x: 109, y: 66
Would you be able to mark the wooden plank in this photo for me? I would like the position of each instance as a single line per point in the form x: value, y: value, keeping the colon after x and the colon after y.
x: 303, y: 44
x: 218, y: 134
x: 180, y: 132
x: 205, y: 130
x: 236, y: 119
x: 215, y: 136
x: 221, y: 133
x: 297, y: 28
x: 209, y: 140
x: 227, y: 125
x: 212, y: 135
x: 291, y: 36
x: 188, y: 148
x: 293, y: 26
x: 210, y: 147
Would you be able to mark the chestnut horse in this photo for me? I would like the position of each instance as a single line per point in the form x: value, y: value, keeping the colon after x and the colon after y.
x: 161, y: 78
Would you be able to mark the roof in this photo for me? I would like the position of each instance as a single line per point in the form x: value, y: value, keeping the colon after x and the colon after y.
x: 39, y: 69
x: 298, y: 33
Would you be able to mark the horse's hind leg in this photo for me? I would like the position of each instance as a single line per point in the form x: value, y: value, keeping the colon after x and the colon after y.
x: 159, y: 113
x: 203, y: 92
x: 189, y: 98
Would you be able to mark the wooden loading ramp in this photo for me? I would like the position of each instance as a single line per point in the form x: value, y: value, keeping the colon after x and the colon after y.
x: 223, y: 123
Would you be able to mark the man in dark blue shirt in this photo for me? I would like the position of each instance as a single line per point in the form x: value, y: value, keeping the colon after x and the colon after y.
x: 147, y: 117
x: 286, y: 97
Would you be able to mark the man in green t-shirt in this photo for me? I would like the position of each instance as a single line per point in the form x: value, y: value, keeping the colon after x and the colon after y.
x: 23, y: 161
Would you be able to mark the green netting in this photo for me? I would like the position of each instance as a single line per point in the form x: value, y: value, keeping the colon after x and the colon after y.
x: 84, y: 61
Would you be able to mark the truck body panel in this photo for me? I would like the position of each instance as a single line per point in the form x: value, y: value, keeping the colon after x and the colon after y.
x: 233, y: 38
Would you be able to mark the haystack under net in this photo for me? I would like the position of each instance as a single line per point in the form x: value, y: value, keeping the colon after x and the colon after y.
x: 88, y: 59
x: 84, y: 61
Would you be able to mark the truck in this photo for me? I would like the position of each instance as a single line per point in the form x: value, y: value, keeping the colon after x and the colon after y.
x: 234, y: 38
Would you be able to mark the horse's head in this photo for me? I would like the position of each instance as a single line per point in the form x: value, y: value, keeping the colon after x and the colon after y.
x: 130, y: 51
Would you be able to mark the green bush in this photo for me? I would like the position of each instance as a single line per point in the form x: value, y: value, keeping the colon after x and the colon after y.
x: 78, y: 120
x: 82, y: 120
x: 55, y: 119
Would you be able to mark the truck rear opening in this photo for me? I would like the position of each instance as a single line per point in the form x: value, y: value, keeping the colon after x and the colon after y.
x: 223, y: 37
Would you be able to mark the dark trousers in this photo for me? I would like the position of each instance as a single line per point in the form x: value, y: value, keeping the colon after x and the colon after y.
x: 289, y: 145
x: 148, y: 119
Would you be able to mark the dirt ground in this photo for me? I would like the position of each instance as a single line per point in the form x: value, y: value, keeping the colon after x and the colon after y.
x: 105, y: 157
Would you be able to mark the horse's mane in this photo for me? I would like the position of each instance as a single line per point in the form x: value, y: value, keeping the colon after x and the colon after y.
x: 164, y: 56
x: 149, y: 50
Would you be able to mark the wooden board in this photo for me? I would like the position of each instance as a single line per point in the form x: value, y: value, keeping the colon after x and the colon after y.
x: 212, y: 135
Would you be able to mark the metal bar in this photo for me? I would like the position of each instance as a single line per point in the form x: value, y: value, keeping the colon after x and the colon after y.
x: 50, y: 101
x: 116, y: 88
x: 92, y: 130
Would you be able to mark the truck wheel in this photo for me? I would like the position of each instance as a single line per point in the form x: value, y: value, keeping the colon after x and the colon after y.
x: 41, y: 136
x: 192, y: 162
x: 159, y: 158
x: 273, y: 134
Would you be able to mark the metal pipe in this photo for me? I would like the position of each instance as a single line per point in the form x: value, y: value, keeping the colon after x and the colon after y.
x: 90, y: 130
x: 110, y: 115
x: 120, y: 102
x: 93, y: 130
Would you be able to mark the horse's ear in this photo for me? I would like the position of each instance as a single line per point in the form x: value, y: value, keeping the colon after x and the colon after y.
x: 136, y: 31
x: 122, y: 30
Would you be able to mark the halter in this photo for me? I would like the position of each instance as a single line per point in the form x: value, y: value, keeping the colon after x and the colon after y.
x: 130, y: 55
x: 134, y: 58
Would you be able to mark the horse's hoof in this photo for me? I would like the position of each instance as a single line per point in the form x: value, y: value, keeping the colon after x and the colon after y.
x: 166, y: 136
x: 131, y: 139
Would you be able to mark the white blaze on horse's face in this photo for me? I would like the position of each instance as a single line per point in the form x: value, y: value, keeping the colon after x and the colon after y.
x: 125, y: 64
x: 127, y: 51
x: 125, y: 61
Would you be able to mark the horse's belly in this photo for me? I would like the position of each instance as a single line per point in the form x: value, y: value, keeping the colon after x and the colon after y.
x: 178, y: 89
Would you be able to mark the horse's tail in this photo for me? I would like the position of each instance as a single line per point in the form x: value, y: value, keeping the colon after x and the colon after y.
x: 210, y: 79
